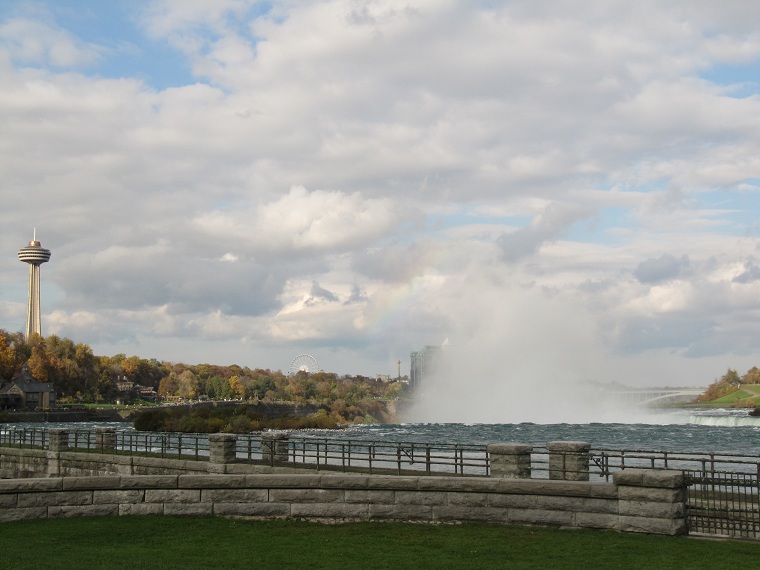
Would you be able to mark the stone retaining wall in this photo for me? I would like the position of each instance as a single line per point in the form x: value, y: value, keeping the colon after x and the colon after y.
x: 637, y: 501
x: 26, y: 463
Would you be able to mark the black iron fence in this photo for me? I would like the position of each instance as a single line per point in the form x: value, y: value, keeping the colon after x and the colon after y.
x: 723, y: 504
x: 319, y: 453
x: 604, y: 462
x: 382, y: 456
x: 722, y: 495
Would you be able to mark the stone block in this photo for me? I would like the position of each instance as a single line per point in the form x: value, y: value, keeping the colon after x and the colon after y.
x: 540, y: 517
x: 55, y: 512
x: 471, y: 513
x: 460, y: 484
x: 105, y: 438
x: 420, y: 497
x: 141, y: 509
x: 73, y: 483
x: 393, y: 482
x: 274, y: 446
x: 330, y: 511
x: 344, y: 481
x: 56, y: 498
x: 118, y: 496
x: 510, y: 460
x: 568, y: 460
x: 401, y: 512
x: 512, y: 501
x: 8, y: 501
x: 32, y: 484
x: 172, y: 496
x: 509, y: 448
x: 652, y: 494
x: 662, y: 478
x: 189, y: 509
x: 367, y: 496
x: 28, y: 513
x: 58, y: 439
x: 467, y: 499
x: 211, y: 481
x: 149, y: 482
x: 305, y: 495
x: 222, y: 447
x: 651, y: 525
x: 283, y: 481
x: 577, y: 504
x: 597, y: 520
x: 600, y: 506
x: 237, y: 468
x: 234, y: 495
x: 647, y: 509
x: 629, y: 477
x: 268, y: 510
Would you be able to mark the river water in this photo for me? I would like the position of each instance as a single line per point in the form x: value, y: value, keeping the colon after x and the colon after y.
x: 694, y: 430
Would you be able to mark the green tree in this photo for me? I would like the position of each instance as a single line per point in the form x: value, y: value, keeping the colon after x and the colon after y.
x: 189, y: 385
x: 169, y: 385
x: 7, y: 359
x: 752, y: 376
x: 723, y: 386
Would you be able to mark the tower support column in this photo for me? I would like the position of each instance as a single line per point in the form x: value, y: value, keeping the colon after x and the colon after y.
x: 35, y: 255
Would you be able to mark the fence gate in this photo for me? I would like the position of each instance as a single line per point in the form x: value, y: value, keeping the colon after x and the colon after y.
x: 723, y: 504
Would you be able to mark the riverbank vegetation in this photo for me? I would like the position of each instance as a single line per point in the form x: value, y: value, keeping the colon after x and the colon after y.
x: 81, y: 377
x: 228, y: 419
x: 732, y: 390
x: 201, y: 542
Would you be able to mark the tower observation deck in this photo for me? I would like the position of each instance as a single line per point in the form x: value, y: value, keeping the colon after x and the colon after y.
x: 35, y: 255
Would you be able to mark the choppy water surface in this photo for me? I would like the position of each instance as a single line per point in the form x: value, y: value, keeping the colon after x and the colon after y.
x: 720, y: 430
x: 727, y: 431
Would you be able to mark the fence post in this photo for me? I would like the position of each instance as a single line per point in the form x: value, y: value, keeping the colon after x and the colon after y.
x: 58, y: 439
x: 105, y: 439
x: 221, y: 448
x: 652, y: 501
x: 510, y: 460
x: 568, y: 460
x: 274, y: 447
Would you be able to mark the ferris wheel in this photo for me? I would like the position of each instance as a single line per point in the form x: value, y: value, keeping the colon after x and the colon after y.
x: 303, y: 363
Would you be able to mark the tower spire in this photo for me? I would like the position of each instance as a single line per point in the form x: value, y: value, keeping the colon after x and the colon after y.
x: 35, y: 255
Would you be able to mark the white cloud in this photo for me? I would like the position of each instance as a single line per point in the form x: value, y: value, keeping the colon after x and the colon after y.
x: 35, y: 42
x: 368, y: 178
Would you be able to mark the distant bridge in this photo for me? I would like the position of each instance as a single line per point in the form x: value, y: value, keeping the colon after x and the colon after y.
x: 654, y: 396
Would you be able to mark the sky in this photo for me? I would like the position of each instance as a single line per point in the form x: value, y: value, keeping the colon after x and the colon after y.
x: 564, y: 191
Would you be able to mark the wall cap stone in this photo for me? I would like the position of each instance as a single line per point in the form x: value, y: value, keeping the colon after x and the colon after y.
x: 509, y: 448
x: 657, y: 478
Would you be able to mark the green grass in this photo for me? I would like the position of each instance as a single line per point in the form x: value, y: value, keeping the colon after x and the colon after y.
x: 746, y: 395
x: 190, y: 543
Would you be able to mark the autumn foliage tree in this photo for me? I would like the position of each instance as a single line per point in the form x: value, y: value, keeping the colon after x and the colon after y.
x: 80, y: 376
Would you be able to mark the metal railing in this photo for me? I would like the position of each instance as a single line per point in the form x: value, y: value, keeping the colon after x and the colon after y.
x: 723, y: 504
x: 390, y: 457
x: 320, y: 453
x: 24, y: 438
x: 346, y: 454
x: 603, y: 461
x: 722, y: 498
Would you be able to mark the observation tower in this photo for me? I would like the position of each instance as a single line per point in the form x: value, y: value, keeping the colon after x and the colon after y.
x: 35, y: 255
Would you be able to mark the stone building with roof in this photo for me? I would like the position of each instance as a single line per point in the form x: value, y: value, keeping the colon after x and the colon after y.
x: 25, y: 392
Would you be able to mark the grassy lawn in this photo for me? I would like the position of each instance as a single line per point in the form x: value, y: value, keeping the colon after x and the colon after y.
x: 190, y: 543
x: 748, y: 395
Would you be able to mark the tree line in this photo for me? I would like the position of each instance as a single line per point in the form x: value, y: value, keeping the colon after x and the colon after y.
x: 79, y: 376
x: 729, y: 383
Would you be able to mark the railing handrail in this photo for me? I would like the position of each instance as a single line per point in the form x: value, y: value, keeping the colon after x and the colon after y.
x: 326, y: 451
